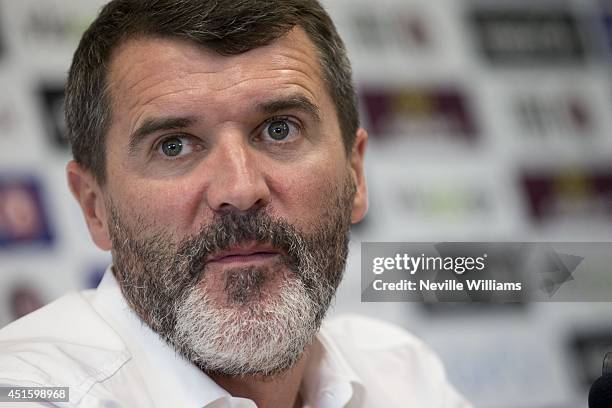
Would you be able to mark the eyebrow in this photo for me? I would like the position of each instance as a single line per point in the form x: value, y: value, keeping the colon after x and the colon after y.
x: 296, y: 102
x: 152, y: 125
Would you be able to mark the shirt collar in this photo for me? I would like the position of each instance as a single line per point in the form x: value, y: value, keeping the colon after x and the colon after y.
x: 173, y: 381
x: 170, y: 379
x: 329, y: 380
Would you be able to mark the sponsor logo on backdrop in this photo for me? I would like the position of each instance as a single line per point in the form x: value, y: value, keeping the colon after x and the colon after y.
x: 418, y: 113
x: 441, y: 201
x: 52, y: 101
x: 551, y: 116
x: 529, y: 36
x: 23, y: 219
x: 403, y: 30
x: 571, y: 194
x: 588, y: 349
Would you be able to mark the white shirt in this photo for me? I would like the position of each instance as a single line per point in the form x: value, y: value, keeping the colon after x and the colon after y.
x: 93, y: 343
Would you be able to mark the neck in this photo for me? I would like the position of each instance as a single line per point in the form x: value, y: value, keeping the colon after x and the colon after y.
x: 267, y: 392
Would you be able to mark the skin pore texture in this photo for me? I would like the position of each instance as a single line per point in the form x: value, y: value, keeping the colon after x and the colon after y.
x: 227, y: 204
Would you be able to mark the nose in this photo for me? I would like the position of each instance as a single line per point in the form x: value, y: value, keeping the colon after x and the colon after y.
x: 236, y: 182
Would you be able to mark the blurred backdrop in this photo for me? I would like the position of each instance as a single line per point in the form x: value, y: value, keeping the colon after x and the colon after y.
x: 489, y: 121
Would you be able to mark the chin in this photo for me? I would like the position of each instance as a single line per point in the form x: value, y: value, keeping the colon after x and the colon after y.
x: 248, y: 338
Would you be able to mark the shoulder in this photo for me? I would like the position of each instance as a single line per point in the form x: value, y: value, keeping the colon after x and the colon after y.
x: 65, y: 343
x: 387, y: 359
x: 370, y: 335
x: 382, y: 344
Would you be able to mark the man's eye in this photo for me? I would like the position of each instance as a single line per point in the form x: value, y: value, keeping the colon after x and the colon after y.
x: 280, y: 130
x: 175, y: 146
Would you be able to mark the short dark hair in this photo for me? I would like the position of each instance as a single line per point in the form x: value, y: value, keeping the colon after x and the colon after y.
x: 228, y: 27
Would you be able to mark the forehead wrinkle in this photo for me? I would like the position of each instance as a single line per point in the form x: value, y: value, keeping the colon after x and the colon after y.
x: 136, y: 98
x: 297, y: 70
x: 165, y: 50
x: 238, y: 71
x: 143, y: 111
x: 308, y: 58
x: 141, y: 102
x: 139, y: 93
x: 298, y: 66
x: 294, y: 77
x: 290, y: 80
x: 291, y: 56
x: 124, y: 81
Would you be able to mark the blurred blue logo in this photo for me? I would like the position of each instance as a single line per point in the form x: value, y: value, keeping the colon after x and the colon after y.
x: 23, y: 219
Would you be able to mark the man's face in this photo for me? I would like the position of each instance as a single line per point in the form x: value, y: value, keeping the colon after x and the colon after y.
x: 228, y: 198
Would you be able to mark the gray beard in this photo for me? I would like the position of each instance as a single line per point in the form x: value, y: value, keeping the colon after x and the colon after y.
x: 262, y: 338
x: 249, y: 332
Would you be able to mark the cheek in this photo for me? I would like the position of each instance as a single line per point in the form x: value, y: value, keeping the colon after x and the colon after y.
x: 305, y: 193
x: 171, y: 205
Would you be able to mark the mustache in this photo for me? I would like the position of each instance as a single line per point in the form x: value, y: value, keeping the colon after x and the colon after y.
x: 238, y: 228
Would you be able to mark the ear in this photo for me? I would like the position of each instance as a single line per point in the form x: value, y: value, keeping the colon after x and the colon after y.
x: 89, y: 195
x: 360, y: 202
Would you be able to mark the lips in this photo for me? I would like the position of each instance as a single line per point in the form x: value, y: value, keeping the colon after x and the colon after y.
x: 248, y: 253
